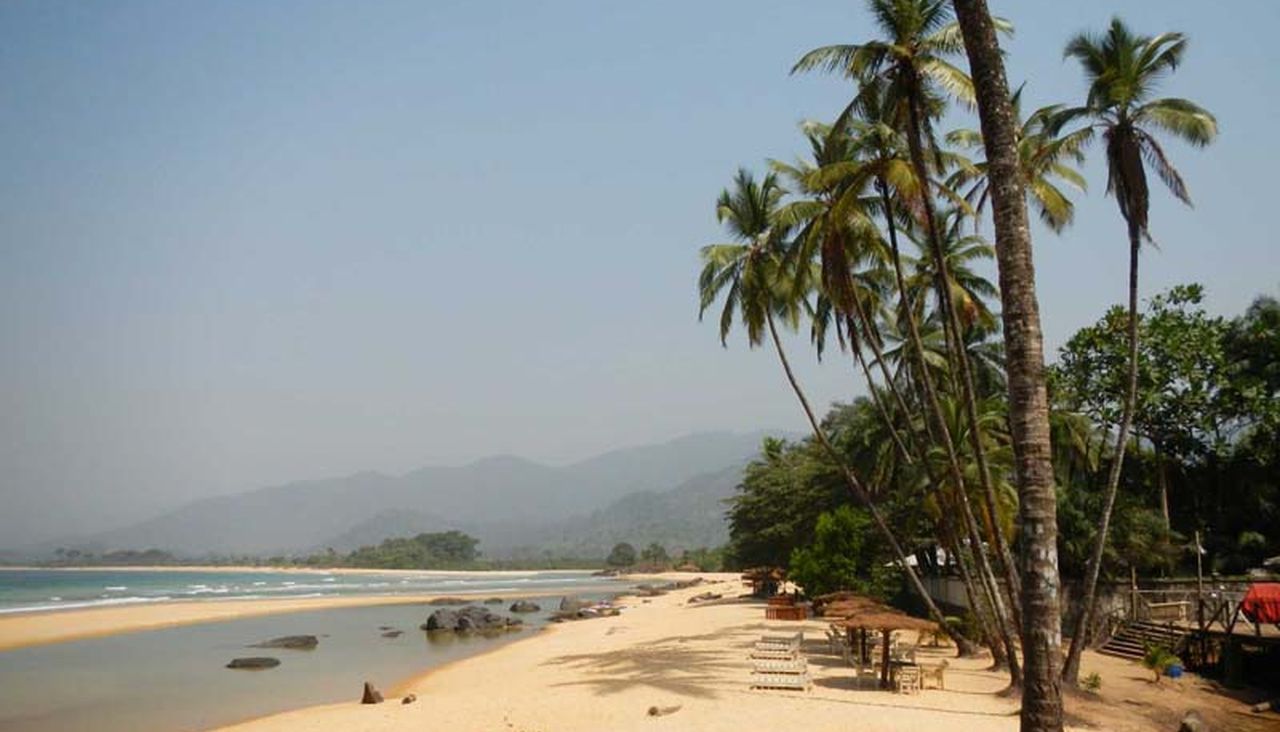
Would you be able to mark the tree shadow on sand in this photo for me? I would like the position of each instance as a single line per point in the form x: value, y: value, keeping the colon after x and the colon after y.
x: 694, y: 666
x: 677, y: 669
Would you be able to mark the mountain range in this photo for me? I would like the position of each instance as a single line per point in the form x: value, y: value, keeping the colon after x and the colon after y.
x: 672, y: 493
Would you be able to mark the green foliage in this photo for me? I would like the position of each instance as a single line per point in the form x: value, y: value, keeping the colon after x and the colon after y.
x: 1158, y: 659
x: 1092, y: 683
x: 655, y: 554
x: 706, y: 560
x: 424, y: 551
x: 844, y: 555
x: 778, y: 503
x: 1206, y: 419
x: 622, y: 555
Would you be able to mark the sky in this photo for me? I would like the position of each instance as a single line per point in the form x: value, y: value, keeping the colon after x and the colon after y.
x: 245, y: 243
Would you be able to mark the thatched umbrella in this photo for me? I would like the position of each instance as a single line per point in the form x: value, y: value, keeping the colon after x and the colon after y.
x: 886, y: 621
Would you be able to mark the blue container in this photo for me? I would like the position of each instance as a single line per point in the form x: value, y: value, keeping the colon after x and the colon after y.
x: 1174, y: 671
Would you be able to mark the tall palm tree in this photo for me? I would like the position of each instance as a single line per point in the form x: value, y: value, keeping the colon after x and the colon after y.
x: 912, y: 68
x: 750, y: 275
x: 1047, y: 158
x: 1123, y: 70
x: 1028, y: 396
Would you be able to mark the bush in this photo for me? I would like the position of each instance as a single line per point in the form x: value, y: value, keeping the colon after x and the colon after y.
x: 623, y: 555
x: 1158, y: 659
x: 841, y: 557
x: 1092, y: 683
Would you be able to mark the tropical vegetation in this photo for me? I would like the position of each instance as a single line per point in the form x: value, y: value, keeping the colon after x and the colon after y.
x: 961, y: 457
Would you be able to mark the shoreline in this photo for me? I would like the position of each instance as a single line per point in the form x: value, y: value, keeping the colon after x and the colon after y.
x: 25, y: 630
x: 249, y: 569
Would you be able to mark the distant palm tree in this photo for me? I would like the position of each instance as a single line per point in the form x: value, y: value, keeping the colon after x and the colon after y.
x: 750, y: 275
x: 1123, y: 70
x: 1047, y: 160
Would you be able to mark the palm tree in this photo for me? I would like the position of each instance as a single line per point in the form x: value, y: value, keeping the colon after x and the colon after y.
x: 1123, y: 70
x: 750, y: 275
x: 1028, y: 397
x: 911, y: 69
x: 1045, y: 156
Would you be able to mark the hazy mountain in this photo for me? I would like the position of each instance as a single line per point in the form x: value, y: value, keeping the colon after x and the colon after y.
x: 689, y: 516
x: 505, y: 501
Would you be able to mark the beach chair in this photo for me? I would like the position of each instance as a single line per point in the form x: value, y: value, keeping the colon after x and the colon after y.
x: 797, y: 682
x: 836, y: 642
x: 903, y: 653
x: 906, y: 679
x: 935, y: 673
x: 790, y: 666
x: 773, y: 653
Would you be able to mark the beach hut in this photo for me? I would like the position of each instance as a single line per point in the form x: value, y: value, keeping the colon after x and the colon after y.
x: 886, y: 620
x: 764, y: 581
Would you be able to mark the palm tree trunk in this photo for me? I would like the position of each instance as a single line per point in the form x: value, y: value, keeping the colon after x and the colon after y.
x: 879, y: 403
x: 1084, y: 619
x: 981, y: 611
x: 1008, y: 630
x: 955, y: 337
x: 855, y: 486
x: 1028, y: 398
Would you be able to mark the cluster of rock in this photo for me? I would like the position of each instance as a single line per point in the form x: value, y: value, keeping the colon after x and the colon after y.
x: 575, y: 608
x: 524, y: 606
x: 472, y: 618
x: 705, y: 597
x: 288, y: 642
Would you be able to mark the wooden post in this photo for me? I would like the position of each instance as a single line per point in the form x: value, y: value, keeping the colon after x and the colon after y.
x: 1133, y: 593
x: 884, y: 661
x: 1199, y: 585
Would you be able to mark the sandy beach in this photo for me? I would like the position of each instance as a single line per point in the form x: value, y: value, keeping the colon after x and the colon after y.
x: 689, y: 661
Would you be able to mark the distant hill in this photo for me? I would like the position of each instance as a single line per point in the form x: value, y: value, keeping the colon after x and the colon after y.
x: 505, y: 501
x: 690, y: 516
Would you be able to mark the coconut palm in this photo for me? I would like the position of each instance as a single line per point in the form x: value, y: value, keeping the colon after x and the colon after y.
x: 1046, y: 156
x: 750, y: 275
x: 1028, y: 397
x: 1123, y: 70
x: 909, y: 68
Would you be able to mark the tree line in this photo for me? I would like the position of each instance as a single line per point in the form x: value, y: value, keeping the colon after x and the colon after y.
x: 871, y: 244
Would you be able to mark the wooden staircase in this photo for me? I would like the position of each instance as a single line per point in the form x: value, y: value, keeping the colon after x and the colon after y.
x: 1132, y: 639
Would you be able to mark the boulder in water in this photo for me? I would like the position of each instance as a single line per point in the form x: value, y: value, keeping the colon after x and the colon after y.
x: 291, y: 642
x: 371, y: 695
x: 254, y: 663
x: 393, y: 634
x: 524, y: 606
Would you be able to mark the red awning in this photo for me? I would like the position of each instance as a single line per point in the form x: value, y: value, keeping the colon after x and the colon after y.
x: 1261, y: 603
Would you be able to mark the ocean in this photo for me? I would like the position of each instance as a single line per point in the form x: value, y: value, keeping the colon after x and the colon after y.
x: 35, y: 590
x: 175, y: 679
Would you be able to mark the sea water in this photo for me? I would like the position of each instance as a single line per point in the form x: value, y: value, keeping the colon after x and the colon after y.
x: 34, y: 590
x: 174, y: 679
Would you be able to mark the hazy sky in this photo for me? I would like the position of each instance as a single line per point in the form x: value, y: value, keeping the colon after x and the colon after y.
x: 249, y: 242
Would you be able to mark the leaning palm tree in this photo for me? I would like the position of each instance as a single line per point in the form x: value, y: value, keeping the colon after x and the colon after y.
x: 1046, y: 156
x: 1123, y: 70
x: 910, y: 69
x: 750, y: 275
x: 1028, y: 396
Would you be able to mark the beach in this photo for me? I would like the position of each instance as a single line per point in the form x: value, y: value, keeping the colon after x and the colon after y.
x: 688, y: 663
